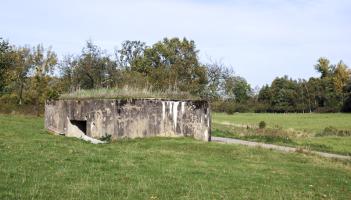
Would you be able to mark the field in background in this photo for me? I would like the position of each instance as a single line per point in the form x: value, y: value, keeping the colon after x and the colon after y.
x: 302, y: 130
x: 308, y: 122
x: 37, y: 165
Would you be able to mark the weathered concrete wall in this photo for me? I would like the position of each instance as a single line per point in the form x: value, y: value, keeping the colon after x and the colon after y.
x: 131, y: 118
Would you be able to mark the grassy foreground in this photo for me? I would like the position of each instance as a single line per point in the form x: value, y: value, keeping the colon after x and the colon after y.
x: 299, y: 130
x: 37, y: 165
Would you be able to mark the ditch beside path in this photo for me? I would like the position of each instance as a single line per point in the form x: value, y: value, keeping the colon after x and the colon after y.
x: 276, y: 147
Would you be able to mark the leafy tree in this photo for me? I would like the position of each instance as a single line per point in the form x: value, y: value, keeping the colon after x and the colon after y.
x: 217, y: 74
x: 44, y: 61
x: 23, y: 63
x: 305, y: 96
x: 324, y: 94
x: 323, y: 66
x: 94, y: 69
x: 69, y: 77
x: 5, y: 61
x: 284, y: 94
x: 172, y: 63
x: 89, y: 67
x: 237, y: 88
x: 329, y: 94
x: 341, y: 76
x: 265, y: 95
x: 26, y: 75
x: 130, y: 53
x: 347, y: 103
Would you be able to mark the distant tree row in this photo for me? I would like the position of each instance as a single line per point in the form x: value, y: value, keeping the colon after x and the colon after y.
x: 329, y: 93
x: 30, y: 75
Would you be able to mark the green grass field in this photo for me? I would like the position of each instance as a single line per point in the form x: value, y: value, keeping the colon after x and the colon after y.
x: 38, y: 165
x: 309, y: 122
x: 300, y: 129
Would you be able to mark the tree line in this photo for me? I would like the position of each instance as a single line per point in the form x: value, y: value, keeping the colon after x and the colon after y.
x: 30, y: 75
x: 328, y: 93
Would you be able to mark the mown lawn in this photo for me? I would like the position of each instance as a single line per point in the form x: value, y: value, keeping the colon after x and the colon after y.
x: 37, y: 165
x: 301, y: 129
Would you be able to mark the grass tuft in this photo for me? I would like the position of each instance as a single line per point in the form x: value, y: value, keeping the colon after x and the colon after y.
x: 332, y: 131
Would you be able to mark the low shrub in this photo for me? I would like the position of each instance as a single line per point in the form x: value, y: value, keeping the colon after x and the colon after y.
x: 332, y: 131
x: 106, y: 138
x: 327, y: 110
x: 229, y: 107
x: 53, y: 95
x: 344, y: 133
x: 223, y: 106
x: 230, y: 110
x: 262, y: 125
x: 14, y: 108
x: 269, y: 139
x: 260, y: 107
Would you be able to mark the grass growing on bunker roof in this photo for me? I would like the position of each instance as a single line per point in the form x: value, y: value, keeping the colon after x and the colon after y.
x: 126, y: 93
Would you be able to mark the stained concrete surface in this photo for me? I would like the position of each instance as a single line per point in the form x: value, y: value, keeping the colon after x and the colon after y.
x: 130, y: 118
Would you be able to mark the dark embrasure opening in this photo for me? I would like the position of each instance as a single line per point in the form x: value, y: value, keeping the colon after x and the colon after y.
x: 81, y: 124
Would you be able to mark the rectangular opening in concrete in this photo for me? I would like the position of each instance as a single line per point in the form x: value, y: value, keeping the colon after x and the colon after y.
x: 81, y: 124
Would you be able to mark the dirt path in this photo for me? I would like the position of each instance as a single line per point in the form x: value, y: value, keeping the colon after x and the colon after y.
x: 276, y: 147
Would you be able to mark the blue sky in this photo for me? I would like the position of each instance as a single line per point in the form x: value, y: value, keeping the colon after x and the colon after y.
x: 259, y: 39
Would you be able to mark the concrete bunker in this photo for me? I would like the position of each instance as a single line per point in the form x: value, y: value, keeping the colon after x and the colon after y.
x: 93, y: 119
